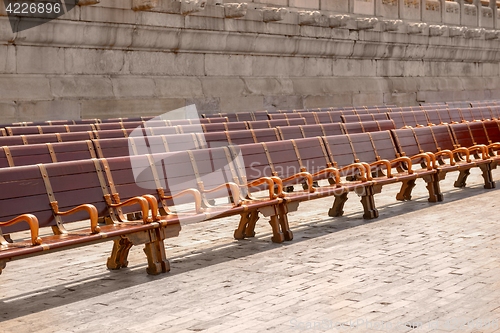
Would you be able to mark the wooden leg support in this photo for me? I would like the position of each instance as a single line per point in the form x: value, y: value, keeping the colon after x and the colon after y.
x: 246, y: 228
x: 488, y: 178
x: 2, y: 266
x: 119, y: 254
x: 283, y: 221
x: 278, y: 236
x: 406, y: 188
x: 433, y: 188
x: 462, y: 178
x: 368, y: 203
x: 157, y: 259
x: 338, y: 205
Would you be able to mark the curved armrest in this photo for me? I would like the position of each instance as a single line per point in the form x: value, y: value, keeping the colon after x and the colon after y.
x: 90, y: 209
x: 153, y: 206
x: 446, y: 152
x: 335, y: 172
x: 270, y: 181
x: 142, y: 202
x: 430, y: 159
x: 482, y: 148
x: 364, y: 169
x: 235, y: 191
x: 305, y: 175
x: 387, y: 165
x: 32, y: 222
x: 404, y: 159
x: 191, y: 191
x: 279, y: 183
x: 463, y: 150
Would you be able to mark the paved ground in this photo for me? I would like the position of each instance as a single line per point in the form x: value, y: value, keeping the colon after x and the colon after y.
x: 420, y: 267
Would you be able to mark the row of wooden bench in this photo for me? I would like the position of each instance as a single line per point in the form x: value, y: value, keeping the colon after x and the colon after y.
x: 401, y: 119
x: 50, y: 195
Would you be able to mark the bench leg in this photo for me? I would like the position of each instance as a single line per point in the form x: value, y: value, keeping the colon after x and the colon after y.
x: 338, y: 205
x: 246, y: 227
x: 488, y: 178
x: 433, y: 188
x: 157, y: 259
x: 462, y: 178
x: 119, y: 254
x: 368, y: 202
x: 283, y: 220
x: 278, y: 236
x: 406, y: 189
x: 2, y: 265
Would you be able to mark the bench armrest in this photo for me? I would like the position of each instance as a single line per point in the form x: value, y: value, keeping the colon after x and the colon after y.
x: 462, y: 150
x: 335, y: 172
x: 142, y: 202
x: 404, y: 159
x: 32, y: 222
x: 90, y: 209
x: 387, y: 165
x: 195, y: 193
x: 305, y: 175
x: 235, y: 191
x: 364, y: 170
x: 446, y: 152
x: 430, y: 159
x: 270, y: 181
x: 482, y: 148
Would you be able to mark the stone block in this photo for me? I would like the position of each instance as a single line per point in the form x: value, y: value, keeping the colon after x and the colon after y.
x: 130, y: 86
x: 24, y: 87
x: 123, y: 4
x: 390, y: 68
x: 416, y: 28
x: 340, y: 6
x: 110, y: 108
x: 354, y: 67
x: 387, y: 8
x: 7, y: 59
x: 241, y: 103
x: 278, y: 66
x: 8, y: 113
x: 222, y: 86
x: 364, y: 99
x: 413, y: 68
x: 339, y: 21
x: 489, y: 69
x: 469, y: 15
x: 48, y: 110
x: 160, y: 19
x: 405, y: 99
x: 318, y: 67
x: 309, y: 4
x: 268, y: 86
x: 431, y: 11
x: 403, y: 85
x: 228, y: 65
x: 328, y: 101
x: 309, y: 17
x: 109, y: 15
x: 249, y: 26
x: 139, y: 5
x: 91, y: 61
x: 486, y: 17
x: 81, y: 86
x: 39, y: 60
x: 410, y: 10
x: 451, y: 14
x: 178, y: 87
x: 205, y: 104
x: 204, y: 23
x: 235, y: 10
x: 161, y: 63
x: 365, y: 7
x: 274, y: 14
x: 272, y: 103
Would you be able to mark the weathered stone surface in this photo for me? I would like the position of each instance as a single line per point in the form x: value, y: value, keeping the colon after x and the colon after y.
x: 222, y: 86
x: 366, y: 23
x: 268, y: 86
x: 129, y: 107
x: 159, y: 63
x: 416, y: 28
x: 181, y: 86
x: 87, y: 61
x: 7, y: 59
x: 47, y: 110
x: 81, y: 87
x: 274, y: 14
x: 474, y: 33
x: 24, y: 87
x: 228, y: 65
x: 235, y: 10
x: 242, y: 103
x: 131, y: 86
x: 309, y: 17
x: 339, y: 21
x: 273, y: 103
x: 39, y: 60
x: 144, y: 4
x: 8, y: 112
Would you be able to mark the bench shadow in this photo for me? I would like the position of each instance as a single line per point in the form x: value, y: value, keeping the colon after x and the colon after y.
x: 75, y: 290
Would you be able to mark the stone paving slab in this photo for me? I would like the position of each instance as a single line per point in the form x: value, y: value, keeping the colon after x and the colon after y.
x: 419, y: 267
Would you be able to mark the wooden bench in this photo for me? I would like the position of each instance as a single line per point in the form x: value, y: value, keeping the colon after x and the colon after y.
x: 55, y: 195
x: 363, y: 117
x: 368, y: 126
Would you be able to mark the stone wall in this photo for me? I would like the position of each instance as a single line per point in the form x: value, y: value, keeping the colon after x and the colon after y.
x: 107, y: 60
